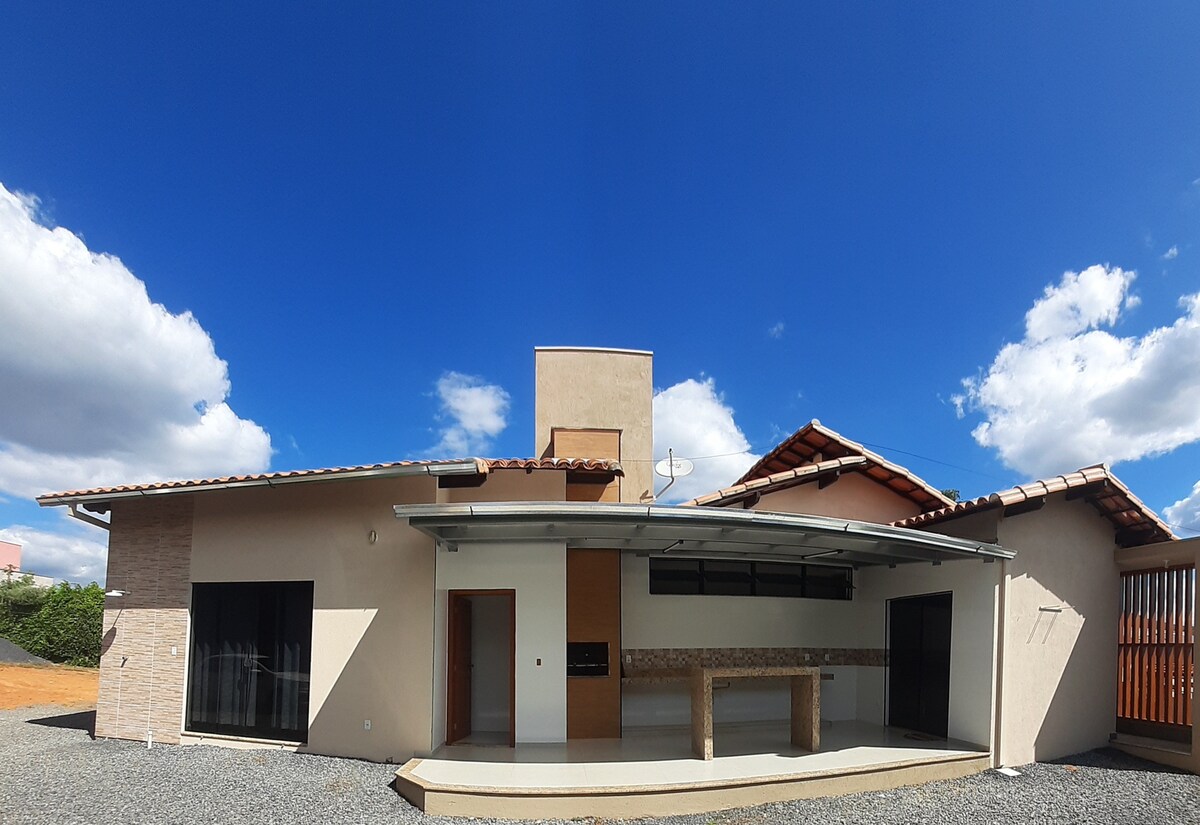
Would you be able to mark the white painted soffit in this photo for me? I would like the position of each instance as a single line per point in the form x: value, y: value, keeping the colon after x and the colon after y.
x: 692, y: 531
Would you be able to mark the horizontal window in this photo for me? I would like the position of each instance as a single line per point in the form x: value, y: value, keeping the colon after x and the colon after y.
x: 721, y: 577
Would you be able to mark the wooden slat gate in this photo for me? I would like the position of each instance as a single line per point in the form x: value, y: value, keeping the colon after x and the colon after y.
x: 1156, y: 644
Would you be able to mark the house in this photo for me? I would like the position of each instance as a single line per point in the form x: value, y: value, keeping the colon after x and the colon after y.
x: 537, y: 637
x: 10, y: 566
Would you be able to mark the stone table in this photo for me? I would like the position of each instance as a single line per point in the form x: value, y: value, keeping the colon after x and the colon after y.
x: 806, y: 702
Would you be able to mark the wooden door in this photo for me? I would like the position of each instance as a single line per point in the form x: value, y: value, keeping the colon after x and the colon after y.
x: 458, y: 687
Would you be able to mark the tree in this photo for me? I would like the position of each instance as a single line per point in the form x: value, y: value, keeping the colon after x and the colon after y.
x: 62, y: 623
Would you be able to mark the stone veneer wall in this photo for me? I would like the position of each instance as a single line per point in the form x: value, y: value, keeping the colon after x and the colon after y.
x: 656, y: 658
x: 141, y: 680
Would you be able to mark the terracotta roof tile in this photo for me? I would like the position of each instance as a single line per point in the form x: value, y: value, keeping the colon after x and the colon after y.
x: 778, y: 481
x: 814, y: 443
x: 483, y: 466
x: 1135, y: 522
x: 606, y: 465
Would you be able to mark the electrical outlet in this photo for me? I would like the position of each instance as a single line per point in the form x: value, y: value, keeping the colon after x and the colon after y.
x: 366, y: 724
x: 628, y: 659
x: 174, y: 650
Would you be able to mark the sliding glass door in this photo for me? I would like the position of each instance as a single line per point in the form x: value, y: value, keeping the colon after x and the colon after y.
x: 251, y: 652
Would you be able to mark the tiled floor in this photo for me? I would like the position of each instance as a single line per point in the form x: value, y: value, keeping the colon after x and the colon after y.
x: 663, y: 757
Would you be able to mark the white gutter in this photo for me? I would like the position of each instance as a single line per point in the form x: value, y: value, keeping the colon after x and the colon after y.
x: 456, y: 468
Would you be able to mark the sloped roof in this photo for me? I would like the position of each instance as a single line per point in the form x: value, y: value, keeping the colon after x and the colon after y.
x: 814, y: 443
x: 778, y: 481
x: 459, y: 466
x: 1134, y: 522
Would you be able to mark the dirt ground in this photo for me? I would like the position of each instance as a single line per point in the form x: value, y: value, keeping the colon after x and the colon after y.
x: 26, y: 685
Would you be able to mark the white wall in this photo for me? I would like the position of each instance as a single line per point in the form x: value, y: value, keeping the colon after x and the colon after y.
x: 665, y: 621
x: 744, y: 700
x: 538, y: 573
x: 649, y: 621
x: 490, y: 634
x: 972, y: 633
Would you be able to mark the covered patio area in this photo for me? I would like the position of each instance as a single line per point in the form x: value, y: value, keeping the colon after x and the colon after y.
x: 744, y: 657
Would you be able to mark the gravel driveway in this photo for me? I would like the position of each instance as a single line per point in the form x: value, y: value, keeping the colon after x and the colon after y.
x: 52, y: 771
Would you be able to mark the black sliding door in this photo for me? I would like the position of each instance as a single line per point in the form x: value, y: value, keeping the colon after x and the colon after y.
x: 919, y: 663
x: 251, y: 652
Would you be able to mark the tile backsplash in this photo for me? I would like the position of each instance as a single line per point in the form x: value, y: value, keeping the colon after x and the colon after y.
x: 655, y: 658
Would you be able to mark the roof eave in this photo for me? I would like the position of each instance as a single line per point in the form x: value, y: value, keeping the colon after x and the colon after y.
x: 456, y: 468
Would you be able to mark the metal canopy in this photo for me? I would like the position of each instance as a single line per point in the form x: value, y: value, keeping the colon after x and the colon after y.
x: 692, y: 531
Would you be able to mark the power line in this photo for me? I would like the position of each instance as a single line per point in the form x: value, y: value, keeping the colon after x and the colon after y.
x: 935, y: 461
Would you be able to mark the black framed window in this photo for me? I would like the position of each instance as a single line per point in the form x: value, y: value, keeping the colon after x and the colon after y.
x: 727, y: 578
x: 250, y: 659
x: 722, y: 577
x: 675, y: 576
x: 779, y: 579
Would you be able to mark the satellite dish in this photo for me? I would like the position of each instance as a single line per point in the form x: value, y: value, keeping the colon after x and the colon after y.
x: 674, y: 467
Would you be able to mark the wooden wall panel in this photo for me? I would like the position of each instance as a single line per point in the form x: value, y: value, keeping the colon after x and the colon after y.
x: 594, y: 615
x: 586, y: 443
x: 579, y: 490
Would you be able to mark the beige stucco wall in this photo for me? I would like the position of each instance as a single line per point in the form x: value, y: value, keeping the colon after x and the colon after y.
x: 852, y: 496
x: 974, y: 588
x: 511, y: 485
x: 981, y: 526
x: 601, y: 389
x: 372, y: 646
x: 1059, y: 684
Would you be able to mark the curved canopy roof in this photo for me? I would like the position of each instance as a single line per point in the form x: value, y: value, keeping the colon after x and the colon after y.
x: 692, y: 531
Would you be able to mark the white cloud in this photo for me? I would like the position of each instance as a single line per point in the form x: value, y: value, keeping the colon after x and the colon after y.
x: 477, y: 412
x: 101, y: 385
x: 776, y: 331
x: 1171, y: 254
x: 79, y: 556
x: 1081, y: 301
x: 692, y: 419
x: 1185, y: 513
x: 1071, y: 394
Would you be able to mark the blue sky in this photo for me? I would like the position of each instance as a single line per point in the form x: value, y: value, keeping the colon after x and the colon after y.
x: 373, y: 216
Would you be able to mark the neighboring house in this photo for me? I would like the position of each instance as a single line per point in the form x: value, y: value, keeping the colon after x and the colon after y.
x: 384, y: 611
x: 10, y: 565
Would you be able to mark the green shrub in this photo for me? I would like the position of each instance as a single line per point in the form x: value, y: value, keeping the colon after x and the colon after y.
x: 19, y: 599
x: 61, y: 623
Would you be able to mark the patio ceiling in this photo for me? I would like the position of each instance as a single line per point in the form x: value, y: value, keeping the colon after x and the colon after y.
x: 692, y: 531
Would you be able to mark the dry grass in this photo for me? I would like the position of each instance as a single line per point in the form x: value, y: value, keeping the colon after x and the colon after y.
x: 24, y: 686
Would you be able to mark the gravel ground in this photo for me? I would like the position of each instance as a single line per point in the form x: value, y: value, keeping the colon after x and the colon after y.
x: 52, y: 771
